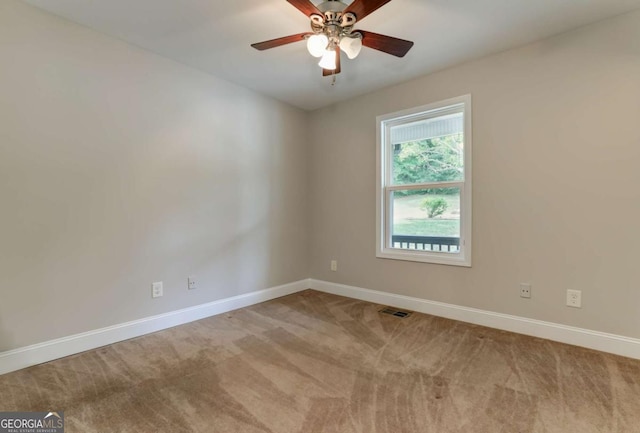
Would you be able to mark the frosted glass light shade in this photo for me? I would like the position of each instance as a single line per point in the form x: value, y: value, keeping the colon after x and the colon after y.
x: 328, y: 60
x: 351, y: 46
x: 317, y: 44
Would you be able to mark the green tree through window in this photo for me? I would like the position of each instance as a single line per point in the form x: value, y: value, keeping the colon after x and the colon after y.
x: 439, y: 159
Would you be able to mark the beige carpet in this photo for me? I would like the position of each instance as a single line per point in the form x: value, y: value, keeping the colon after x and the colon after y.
x: 313, y: 362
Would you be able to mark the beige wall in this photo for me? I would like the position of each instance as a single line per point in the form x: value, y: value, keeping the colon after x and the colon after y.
x: 556, y: 182
x: 119, y: 168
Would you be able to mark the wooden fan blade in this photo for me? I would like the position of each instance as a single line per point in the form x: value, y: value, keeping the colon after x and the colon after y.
x: 362, y: 8
x: 305, y: 6
x: 280, y: 41
x: 386, y: 44
x: 326, y: 72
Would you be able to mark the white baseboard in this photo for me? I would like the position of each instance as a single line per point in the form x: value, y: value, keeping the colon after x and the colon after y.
x: 48, y: 351
x: 611, y: 343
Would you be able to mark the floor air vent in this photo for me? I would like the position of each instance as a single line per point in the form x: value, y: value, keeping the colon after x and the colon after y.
x: 395, y: 312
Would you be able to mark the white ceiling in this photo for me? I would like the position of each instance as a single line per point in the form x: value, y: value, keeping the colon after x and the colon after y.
x: 214, y: 36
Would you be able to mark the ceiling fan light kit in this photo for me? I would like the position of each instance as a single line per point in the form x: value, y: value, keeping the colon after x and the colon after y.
x: 329, y: 61
x: 317, y: 45
x: 351, y: 45
x: 332, y: 25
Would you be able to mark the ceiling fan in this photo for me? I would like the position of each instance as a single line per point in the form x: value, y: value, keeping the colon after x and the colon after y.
x: 332, y: 30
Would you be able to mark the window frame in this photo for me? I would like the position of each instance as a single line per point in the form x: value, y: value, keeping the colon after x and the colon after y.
x: 384, y: 160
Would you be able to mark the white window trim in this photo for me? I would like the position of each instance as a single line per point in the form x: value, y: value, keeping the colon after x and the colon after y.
x: 383, y: 217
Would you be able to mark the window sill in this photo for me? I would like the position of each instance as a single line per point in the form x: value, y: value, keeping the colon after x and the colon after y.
x: 425, y: 257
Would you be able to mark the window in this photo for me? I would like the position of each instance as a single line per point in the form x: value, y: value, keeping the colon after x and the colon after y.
x: 424, y: 184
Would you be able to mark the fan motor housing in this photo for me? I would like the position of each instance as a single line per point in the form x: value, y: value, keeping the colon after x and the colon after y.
x: 344, y: 22
x: 332, y: 6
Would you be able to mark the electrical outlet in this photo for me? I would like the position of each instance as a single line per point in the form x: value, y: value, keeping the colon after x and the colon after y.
x: 156, y: 289
x: 334, y: 265
x: 574, y: 298
x: 191, y: 283
x: 525, y: 290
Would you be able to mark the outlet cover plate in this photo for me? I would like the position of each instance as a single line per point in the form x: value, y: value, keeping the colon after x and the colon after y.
x: 525, y: 290
x: 574, y: 298
x: 156, y: 289
x: 191, y: 283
